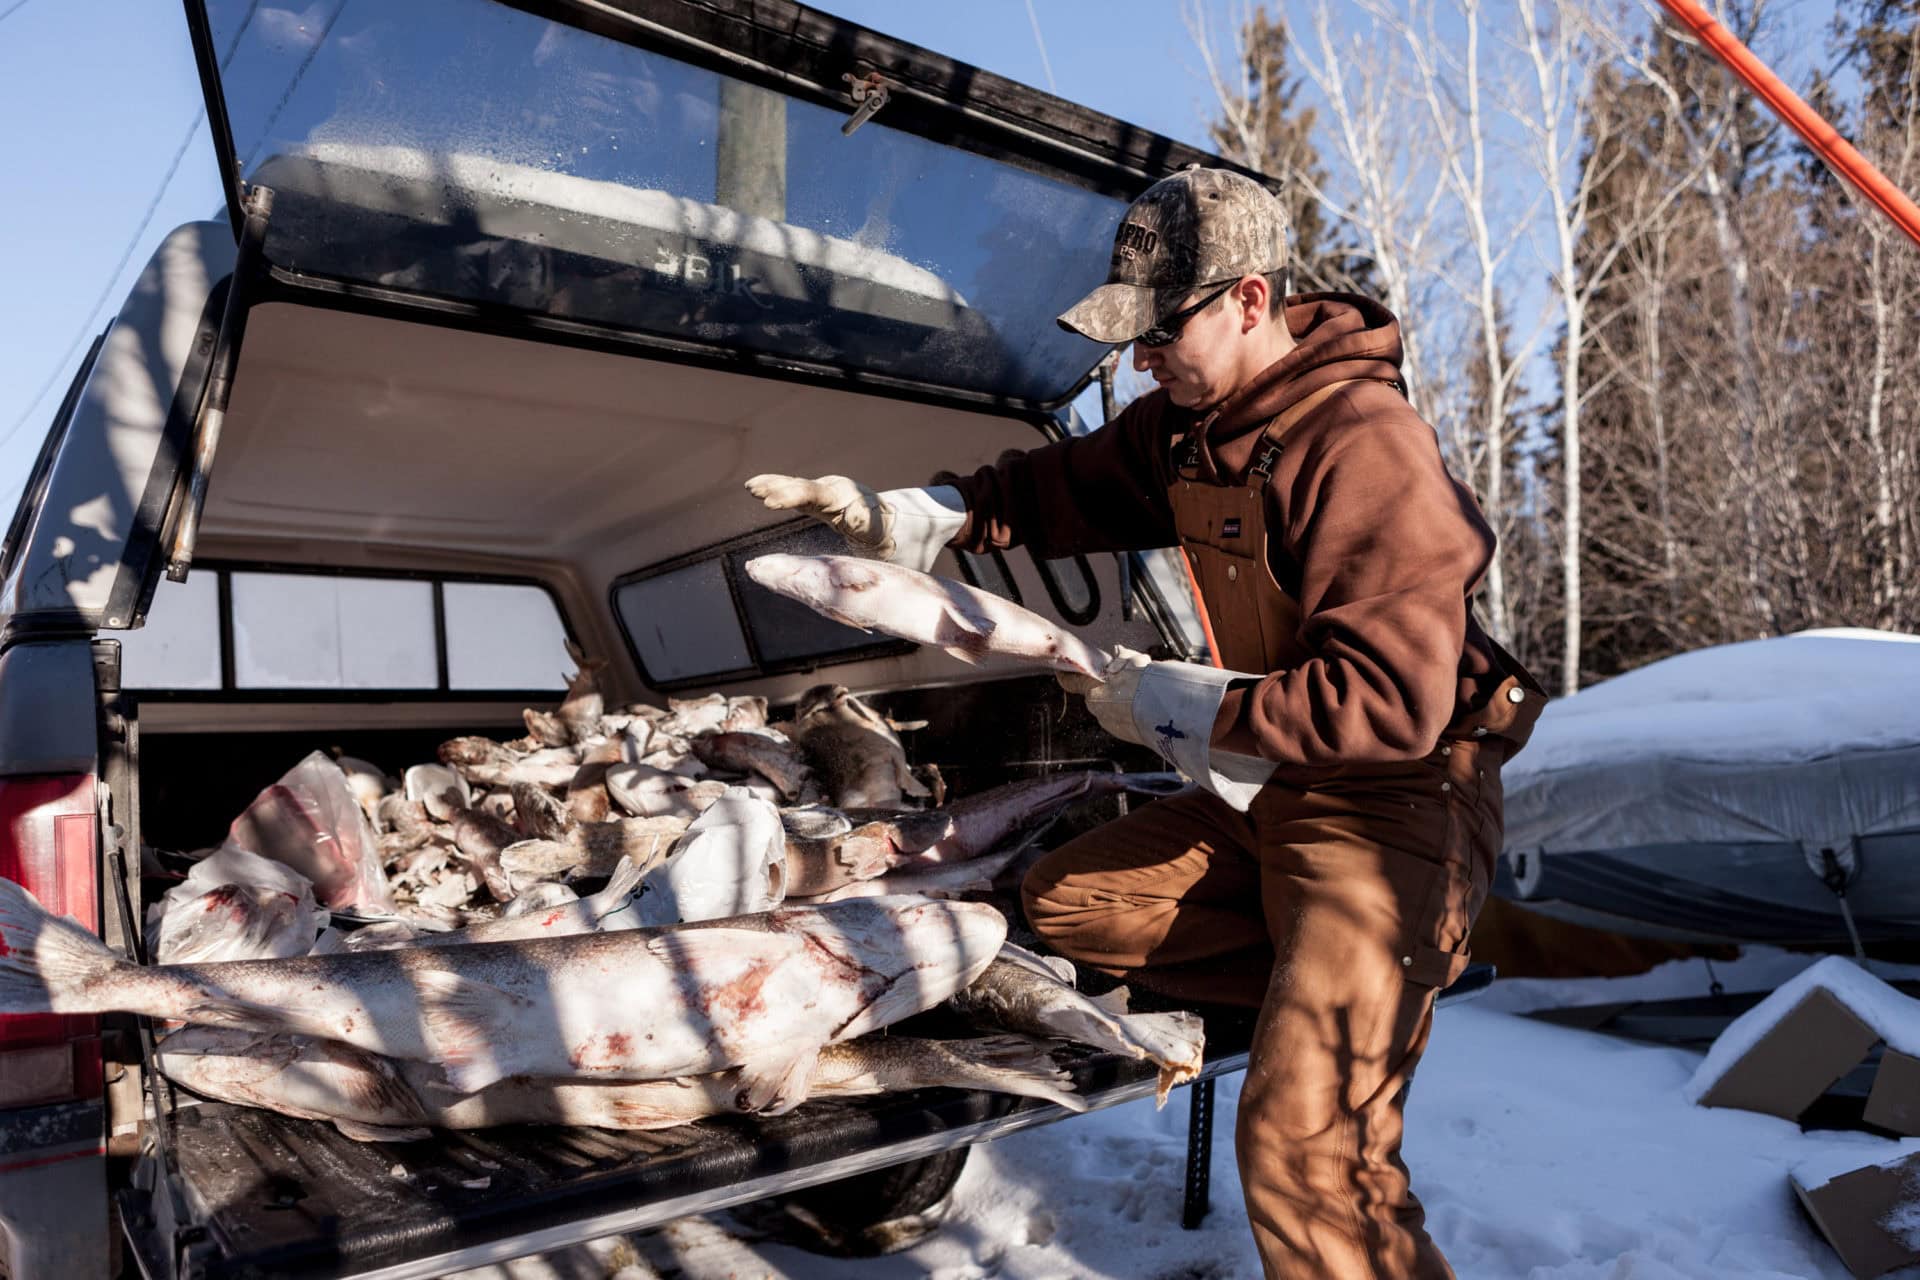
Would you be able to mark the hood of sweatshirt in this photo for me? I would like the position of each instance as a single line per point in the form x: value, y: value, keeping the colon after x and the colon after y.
x: 1341, y: 336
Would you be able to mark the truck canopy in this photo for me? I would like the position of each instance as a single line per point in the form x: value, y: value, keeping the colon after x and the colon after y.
x: 685, y: 172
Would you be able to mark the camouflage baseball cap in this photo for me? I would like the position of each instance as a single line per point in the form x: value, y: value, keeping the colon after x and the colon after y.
x: 1196, y: 228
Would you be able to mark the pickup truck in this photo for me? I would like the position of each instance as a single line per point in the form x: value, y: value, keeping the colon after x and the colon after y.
x: 510, y: 297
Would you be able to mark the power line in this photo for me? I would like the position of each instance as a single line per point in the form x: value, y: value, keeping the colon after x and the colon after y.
x: 266, y: 130
x: 153, y: 206
x: 12, y: 9
x: 1045, y: 65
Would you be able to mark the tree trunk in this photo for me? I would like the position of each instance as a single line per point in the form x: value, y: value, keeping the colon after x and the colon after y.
x: 1570, y: 534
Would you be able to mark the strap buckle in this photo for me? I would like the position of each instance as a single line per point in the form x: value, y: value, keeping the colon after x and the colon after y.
x: 1189, y: 459
x: 1263, y: 465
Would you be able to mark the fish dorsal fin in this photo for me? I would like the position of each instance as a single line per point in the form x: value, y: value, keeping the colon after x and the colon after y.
x: 1113, y: 1002
x: 966, y: 616
x: 961, y: 634
x: 464, y: 1019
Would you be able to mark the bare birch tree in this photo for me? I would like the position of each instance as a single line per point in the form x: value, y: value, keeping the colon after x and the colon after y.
x: 1384, y: 188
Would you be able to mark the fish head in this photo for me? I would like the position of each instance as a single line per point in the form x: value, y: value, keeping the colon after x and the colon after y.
x: 961, y: 936
x: 805, y: 578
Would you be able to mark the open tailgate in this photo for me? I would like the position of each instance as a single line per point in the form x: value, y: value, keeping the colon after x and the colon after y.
x: 256, y: 1193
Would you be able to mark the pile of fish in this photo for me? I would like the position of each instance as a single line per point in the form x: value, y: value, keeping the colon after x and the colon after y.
x: 395, y: 954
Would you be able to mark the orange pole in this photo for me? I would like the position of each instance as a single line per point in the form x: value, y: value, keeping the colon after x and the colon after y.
x: 1838, y: 153
x: 1200, y: 607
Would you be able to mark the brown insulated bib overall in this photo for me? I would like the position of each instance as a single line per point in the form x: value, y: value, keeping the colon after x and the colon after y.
x: 1339, y: 904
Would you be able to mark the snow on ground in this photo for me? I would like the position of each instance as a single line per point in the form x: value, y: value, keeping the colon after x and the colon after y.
x: 1541, y: 1153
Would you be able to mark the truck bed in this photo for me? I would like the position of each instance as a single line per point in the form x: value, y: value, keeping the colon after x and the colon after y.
x: 231, y: 1191
x: 256, y: 1193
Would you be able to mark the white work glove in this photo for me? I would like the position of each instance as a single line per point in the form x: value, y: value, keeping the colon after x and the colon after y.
x: 905, y: 526
x: 848, y: 507
x: 1111, y: 700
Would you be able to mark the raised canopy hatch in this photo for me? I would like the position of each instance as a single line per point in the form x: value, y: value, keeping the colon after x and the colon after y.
x: 681, y: 170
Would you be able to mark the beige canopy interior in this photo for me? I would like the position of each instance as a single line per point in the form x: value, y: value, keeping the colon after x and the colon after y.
x: 362, y: 441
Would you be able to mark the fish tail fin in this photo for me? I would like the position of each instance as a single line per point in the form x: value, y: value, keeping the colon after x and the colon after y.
x: 51, y: 964
x: 776, y: 1087
x: 1175, y: 1042
x: 1011, y: 1064
x: 621, y: 885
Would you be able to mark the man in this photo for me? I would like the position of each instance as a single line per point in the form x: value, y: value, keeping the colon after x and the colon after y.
x: 1348, y: 745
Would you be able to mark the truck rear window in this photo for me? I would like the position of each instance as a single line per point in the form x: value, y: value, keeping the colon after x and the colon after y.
x: 312, y: 632
x: 700, y: 617
x: 237, y: 629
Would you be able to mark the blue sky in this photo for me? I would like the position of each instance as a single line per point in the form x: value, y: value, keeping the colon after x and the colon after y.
x: 117, y: 153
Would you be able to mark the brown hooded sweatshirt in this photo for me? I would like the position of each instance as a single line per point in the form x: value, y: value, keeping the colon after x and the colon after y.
x: 1368, y: 532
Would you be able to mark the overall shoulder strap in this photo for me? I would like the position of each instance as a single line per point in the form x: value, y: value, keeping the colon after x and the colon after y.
x: 1268, y: 451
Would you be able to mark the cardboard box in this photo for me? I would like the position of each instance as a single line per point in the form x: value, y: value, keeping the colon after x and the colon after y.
x: 1796, y: 1061
x: 1853, y: 1212
x: 1894, y: 1104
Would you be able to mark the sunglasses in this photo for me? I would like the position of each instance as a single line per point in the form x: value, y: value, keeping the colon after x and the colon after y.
x: 1168, y: 329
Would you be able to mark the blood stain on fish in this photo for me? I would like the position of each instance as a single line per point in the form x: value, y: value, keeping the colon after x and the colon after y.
x: 742, y: 998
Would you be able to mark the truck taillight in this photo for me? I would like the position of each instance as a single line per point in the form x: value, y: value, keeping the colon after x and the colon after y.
x: 48, y: 844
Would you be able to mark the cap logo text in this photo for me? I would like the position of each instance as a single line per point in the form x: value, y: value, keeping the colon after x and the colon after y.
x: 1134, y: 241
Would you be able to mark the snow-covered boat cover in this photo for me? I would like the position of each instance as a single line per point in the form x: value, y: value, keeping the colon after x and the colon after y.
x: 1812, y: 738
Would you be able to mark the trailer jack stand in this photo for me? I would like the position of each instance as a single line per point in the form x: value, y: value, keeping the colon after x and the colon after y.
x: 1199, y: 1152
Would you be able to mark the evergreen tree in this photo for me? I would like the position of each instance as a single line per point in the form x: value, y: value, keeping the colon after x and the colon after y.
x: 1265, y: 128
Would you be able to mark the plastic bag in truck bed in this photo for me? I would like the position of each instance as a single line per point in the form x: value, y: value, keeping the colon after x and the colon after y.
x: 310, y: 821
x: 235, y: 905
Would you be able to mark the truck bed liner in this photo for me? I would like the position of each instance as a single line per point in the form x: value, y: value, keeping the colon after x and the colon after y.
x: 266, y: 1194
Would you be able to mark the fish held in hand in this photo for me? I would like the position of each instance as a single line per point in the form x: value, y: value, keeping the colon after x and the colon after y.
x: 760, y: 992
x: 892, y: 599
x: 943, y: 880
